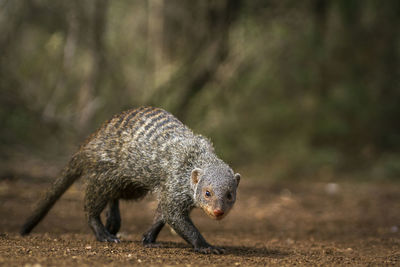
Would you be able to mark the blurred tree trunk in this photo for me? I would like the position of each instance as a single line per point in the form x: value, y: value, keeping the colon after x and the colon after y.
x: 14, y: 14
x: 388, y: 133
x: 87, y: 100
x: 155, y: 40
x: 70, y: 45
x: 320, y: 10
x: 206, y: 53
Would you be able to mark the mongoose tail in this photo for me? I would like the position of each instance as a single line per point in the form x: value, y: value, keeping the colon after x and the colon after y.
x: 60, y: 185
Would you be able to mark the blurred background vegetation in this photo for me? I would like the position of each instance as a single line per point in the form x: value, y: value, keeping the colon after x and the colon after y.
x: 284, y: 88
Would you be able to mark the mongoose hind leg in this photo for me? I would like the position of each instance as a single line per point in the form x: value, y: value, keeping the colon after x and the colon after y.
x: 113, y: 217
x: 149, y: 238
x: 100, y: 231
x: 95, y: 202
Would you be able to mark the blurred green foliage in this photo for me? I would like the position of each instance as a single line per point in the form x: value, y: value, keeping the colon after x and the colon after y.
x: 290, y: 88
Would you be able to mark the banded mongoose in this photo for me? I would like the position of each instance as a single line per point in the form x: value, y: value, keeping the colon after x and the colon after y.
x: 147, y: 150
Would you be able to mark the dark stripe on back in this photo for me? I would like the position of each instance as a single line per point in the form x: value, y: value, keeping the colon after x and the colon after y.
x: 125, y: 114
x: 152, y: 113
x: 121, y: 118
x: 146, y: 119
x: 133, y: 115
x: 171, y: 124
x: 151, y: 117
x: 157, y: 126
x: 169, y: 127
x: 157, y: 117
x: 143, y: 117
x: 168, y: 121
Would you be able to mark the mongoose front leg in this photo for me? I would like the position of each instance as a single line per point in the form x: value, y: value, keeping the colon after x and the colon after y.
x: 113, y: 217
x: 184, y: 226
x: 149, y: 238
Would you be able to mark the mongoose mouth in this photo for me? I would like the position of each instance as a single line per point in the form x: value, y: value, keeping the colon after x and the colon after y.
x: 215, y: 214
x: 219, y: 217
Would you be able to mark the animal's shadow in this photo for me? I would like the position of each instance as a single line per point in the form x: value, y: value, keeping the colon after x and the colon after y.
x: 255, y: 251
x: 259, y: 251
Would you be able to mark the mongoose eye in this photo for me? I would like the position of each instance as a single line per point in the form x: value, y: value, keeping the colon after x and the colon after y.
x: 229, y: 196
x: 208, y: 194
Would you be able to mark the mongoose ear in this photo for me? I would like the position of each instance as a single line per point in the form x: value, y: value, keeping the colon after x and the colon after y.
x: 237, y: 178
x: 196, y: 174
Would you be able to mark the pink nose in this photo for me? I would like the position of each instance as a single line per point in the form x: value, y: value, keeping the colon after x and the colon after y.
x: 218, y: 212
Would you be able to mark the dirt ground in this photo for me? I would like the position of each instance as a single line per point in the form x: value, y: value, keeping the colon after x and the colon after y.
x: 273, y: 223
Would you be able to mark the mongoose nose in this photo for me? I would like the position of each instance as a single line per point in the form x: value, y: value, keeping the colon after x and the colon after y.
x: 218, y: 212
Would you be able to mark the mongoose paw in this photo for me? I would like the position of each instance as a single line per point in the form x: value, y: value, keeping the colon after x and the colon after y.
x: 149, y: 242
x: 210, y: 250
x: 108, y: 238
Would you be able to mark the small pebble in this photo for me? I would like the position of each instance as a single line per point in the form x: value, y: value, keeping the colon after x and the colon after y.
x: 289, y: 241
x: 286, y: 193
x: 331, y: 188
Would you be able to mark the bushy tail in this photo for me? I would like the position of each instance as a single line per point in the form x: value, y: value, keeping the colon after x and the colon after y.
x: 68, y: 177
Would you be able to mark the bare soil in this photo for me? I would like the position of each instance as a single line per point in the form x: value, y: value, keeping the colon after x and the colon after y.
x: 273, y: 223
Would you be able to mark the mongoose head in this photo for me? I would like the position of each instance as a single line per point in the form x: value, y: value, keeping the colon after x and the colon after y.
x: 215, y: 189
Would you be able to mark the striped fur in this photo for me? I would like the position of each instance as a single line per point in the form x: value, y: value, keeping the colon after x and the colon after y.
x: 139, y: 151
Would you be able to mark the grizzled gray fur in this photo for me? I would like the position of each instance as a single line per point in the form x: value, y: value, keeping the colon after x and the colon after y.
x: 140, y: 151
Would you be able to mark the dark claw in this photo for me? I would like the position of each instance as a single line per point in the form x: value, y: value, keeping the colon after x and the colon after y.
x: 108, y: 238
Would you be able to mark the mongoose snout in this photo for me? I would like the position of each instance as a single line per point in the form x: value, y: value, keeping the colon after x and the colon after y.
x: 218, y: 212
